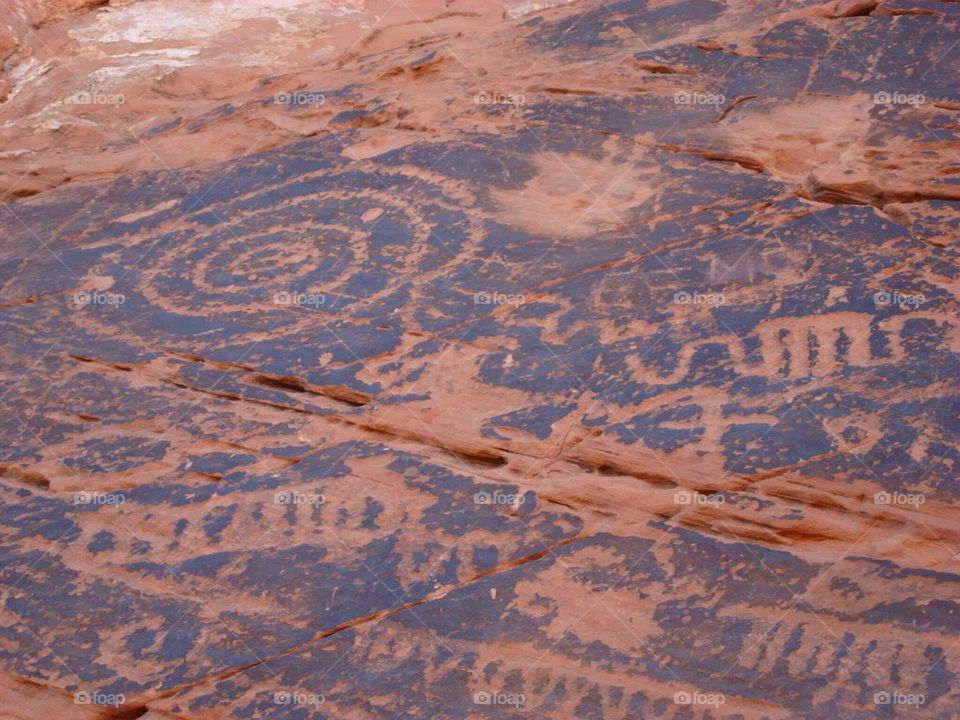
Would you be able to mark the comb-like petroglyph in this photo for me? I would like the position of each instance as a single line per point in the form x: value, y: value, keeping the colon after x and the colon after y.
x: 475, y: 360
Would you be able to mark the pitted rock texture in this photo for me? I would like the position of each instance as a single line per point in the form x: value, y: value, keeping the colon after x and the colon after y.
x: 459, y: 360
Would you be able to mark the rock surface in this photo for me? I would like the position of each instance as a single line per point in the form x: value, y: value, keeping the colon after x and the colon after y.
x: 461, y: 360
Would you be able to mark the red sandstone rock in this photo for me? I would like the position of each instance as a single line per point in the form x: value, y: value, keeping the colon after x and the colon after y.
x: 461, y: 360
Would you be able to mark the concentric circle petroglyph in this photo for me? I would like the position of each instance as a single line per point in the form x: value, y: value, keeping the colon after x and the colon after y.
x: 350, y: 244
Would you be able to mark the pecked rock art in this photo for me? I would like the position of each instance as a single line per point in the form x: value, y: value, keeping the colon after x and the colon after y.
x: 480, y: 361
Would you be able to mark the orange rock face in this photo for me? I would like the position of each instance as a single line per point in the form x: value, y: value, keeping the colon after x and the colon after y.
x: 471, y: 360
